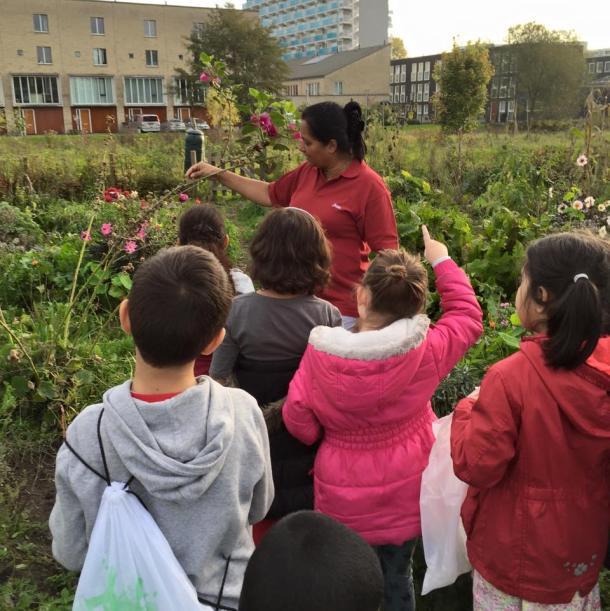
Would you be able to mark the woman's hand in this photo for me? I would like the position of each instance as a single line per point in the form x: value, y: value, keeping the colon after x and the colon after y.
x: 201, y: 169
x: 433, y: 250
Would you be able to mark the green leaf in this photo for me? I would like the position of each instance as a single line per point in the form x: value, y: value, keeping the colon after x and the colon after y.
x: 125, y: 280
x: 509, y: 340
x: 116, y: 292
x: 514, y: 319
x: 248, y: 128
x: 46, y: 389
x: 19, y: 385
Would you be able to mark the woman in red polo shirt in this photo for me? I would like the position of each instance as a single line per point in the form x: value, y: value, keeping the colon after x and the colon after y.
x: 336, y: 185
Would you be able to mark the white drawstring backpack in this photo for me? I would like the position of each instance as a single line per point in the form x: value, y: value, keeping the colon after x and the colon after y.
x: 129, y: 563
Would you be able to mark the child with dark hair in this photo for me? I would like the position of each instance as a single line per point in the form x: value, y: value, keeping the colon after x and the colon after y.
x: 202, y: 225
x: 367, y: 395
x: 309, y: 562
x: 534, y: 442
x: 186, y: 447
x: 267, y: 334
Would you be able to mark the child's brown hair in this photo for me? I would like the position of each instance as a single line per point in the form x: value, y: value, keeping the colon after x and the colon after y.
x: 290, y: 253
x: 398, y: 285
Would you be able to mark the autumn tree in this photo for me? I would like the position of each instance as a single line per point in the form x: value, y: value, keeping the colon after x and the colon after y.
x: 397, y: 46
x: 252, y: 56
x: 550, y: 69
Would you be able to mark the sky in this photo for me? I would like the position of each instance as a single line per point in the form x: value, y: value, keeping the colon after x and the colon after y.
x: 430, y: 28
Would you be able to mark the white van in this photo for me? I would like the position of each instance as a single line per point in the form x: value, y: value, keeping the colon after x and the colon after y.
x: 148, y: 123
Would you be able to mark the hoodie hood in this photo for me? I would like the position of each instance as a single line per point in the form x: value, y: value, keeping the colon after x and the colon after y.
x: 582, y: 394
x: 174, y: 448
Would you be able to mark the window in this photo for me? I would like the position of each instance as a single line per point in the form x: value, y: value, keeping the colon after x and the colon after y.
x: 607, y: 67
x: 420, y: 92
x: 44, y: 55
x: 97, y: 25
x: 143, y: 90
x: 41, y: 23
x: 292, y: 90
x: 150, y: 28
x: 600, y: 67
x: 413, y: 72
x: 131, y: 56
x: 402, y: 93
x: 427, y: 71
x: 396, y: 96
x: 426, y: 92
x: 99, y: 57
x: 338, y: 87
x: 425, y: 109
x: 412, y: 94
x: 511, y: 110
x: 494, y: 87
x: 20, y: 52
x: 313, y: 88
x: 152, y: 58
x: 511, y: 87
x: 396, y: 73
x: 591, y: 67
x: 186, y: 93
x: 91, y: 90
x: 420, y: 71
x: 403, y: 73
x: 391, y: 75
x: 502, y: 108
x: 503, y: 86
x: 198, y: 29
x: 35, y: 90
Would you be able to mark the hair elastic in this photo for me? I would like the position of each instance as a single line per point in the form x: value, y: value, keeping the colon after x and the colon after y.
x: 579, y: 276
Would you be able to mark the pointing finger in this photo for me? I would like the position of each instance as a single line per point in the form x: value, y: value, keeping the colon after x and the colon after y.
x: 425, y: 233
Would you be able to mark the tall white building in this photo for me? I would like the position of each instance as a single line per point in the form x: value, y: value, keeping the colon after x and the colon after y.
x: 310, y: 28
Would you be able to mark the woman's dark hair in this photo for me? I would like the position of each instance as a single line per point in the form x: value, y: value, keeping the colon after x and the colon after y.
x: 328, y: 121
x: 290, y: 253
x: 577, y: 312
x: 398, y: 284
x: 202, y: 225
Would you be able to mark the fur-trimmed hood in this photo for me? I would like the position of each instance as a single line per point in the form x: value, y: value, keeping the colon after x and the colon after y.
x: 398, y: 338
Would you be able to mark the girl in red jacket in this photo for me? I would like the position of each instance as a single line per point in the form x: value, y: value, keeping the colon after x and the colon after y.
x: 534, y: 445
x: 367, y: 395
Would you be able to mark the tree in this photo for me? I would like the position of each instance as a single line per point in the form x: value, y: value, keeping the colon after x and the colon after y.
x: 550, y: 69
x: 398, y: 50
x: 253, y: 58
x: 462, y: 77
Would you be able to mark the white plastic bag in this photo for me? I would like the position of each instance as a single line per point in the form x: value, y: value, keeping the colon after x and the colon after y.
x: 129, y: 563
x: 440, y: 501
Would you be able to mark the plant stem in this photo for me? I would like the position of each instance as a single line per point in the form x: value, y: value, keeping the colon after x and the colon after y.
x: 12, y: 335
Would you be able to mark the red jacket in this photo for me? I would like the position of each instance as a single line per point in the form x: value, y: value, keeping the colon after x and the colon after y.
x: 535, y: 449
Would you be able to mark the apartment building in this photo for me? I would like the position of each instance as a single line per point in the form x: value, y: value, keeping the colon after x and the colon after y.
x: 598, y: 73
x: 86, y: 65
x: 360, y: 74
x: 311, y: 28
x: 412, y: 87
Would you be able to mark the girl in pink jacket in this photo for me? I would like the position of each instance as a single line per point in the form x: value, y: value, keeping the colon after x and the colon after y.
x: 367, y: 395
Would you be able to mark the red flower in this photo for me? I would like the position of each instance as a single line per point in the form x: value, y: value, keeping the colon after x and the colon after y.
x: 111, y: 194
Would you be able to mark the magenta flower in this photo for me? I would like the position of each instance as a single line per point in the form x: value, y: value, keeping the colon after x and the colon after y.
x: 130, y: 247
x: 292, y: 127
x: 265, y: 119
x: 216, y: 81
x: 271, y: 131
x: 106, y: 229
x: 297, y: 136
x: 204, y: 77
x: 183, y: 197
x: 85, y: 235
x: 254, y: 119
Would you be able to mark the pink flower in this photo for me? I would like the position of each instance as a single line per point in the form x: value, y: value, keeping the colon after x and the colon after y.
x: 264, y: 119
x: 577, y: 205
x: 204, y: 77
x: 183, y: 197
x: 254, y: 119
x: 292, y: 127
x: 85, y: 235
x: 106, y: 229
x: 130, y: 247
x: 297, y: 136
x: 216, y: 81
x: 143, y: 204
x: 271, y: 131
x: 582, y: 160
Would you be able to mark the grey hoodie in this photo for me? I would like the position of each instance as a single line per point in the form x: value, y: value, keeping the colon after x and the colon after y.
x: 200, y: 462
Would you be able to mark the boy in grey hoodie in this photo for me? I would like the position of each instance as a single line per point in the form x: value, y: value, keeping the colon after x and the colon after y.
x: 198, y: 452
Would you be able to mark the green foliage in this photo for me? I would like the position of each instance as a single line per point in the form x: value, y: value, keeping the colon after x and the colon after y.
x: 462, y: 76
x: 398, y: 50
x: 550, y: 69
x: 252, y: 56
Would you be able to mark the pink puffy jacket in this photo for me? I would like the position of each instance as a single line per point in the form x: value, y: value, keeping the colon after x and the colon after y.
x: 368, y: 394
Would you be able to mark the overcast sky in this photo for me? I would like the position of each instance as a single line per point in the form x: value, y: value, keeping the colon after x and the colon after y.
x: 428, y: 28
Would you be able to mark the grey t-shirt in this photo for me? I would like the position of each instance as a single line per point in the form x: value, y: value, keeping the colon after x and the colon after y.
x: 270, y: 329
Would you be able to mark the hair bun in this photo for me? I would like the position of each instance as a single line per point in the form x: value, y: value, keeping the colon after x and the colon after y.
x: 397, y: 272
x: 353, y: 112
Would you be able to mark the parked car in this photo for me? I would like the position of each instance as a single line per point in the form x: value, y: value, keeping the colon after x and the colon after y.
x: 173, y: 125
x: 198, y: 124
x: 147, y: 123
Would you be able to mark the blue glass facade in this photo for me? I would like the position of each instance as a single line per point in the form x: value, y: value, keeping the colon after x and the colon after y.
x: 308, y: 28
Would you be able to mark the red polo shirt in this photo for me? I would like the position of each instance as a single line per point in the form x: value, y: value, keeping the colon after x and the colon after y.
x: 355, y: 210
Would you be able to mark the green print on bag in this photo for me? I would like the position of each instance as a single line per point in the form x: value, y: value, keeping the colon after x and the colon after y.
x: 111, y: 600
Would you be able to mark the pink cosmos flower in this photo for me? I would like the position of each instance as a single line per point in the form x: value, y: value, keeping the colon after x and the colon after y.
x: 577, y: 205
x: 85, y: 235
x: 271, y: 131
x: 297, y: 136
x: 582, y: 160
x: 130, y: 247
x: 183, y: 197
x: 204, y: 77
x: 292, y: 127
x: 106, y: 229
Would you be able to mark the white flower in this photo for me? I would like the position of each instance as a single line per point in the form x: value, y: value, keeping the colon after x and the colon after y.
x: 589, y: 201
x: 608, y: 221
x: 550, y: 191
x: 577, y: 205
x: 602, y: 232
x: 561, y: 208
x: 602, y: 207
x: 582, y: 160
